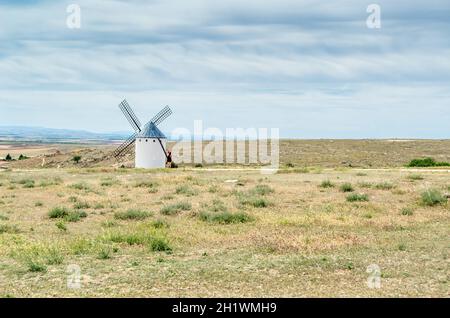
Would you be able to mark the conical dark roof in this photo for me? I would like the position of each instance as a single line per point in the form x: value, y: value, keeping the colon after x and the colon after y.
x: 151, y: 131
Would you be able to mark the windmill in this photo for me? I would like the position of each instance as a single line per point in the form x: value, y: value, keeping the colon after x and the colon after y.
x: 150, y: 142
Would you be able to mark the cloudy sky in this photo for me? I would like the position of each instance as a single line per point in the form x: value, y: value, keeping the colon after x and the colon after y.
x: 311, y: 68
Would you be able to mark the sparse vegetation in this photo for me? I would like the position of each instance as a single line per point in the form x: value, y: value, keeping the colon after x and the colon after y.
x: 427, y: 162
x: 346, y: 187
x: 224, y: 217
x: 357, y: 197
x: 262, y: 189
x: 186, y: 190
x: 240, y: 238
x: 407, y: 211
x: 132, y: 214
x: 384, y: 186
x: 432, y: 197
x: 415, y: 177
x: 326, y: 184
x: 175, y: 208
x: 66, y: 214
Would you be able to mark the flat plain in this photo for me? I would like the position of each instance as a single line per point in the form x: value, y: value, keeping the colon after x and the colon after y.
x: 319, y: 227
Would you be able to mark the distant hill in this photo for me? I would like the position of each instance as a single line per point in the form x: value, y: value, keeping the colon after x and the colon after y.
x: 50, y: 134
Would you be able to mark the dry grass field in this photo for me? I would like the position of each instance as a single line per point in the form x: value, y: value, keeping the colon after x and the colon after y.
x: 308, y: 231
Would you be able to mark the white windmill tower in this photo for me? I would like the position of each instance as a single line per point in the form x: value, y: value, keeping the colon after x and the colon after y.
x: 150, y: 142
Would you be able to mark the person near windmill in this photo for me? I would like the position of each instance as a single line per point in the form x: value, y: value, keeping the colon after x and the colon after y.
x: 169, y: 159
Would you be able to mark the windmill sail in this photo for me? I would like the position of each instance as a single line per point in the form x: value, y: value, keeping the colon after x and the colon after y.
x: 125, y: 146
x: 130, y: 115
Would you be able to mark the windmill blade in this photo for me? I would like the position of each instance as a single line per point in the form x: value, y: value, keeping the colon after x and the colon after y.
x: 125, y: 146
x: 130, y: 115
x: 162, y: 115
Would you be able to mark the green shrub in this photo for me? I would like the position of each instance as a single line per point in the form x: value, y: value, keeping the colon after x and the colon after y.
x: 35, y: 266
x: 346, y: 187
x: 262, y: 189
x: 8, y: 157
x: 80, y: 186
x: 132, y: 215
x: 160, y: 245
x: 224, y: 217
x: 3, y: 217
x: 326, y: 184
x: 76, y: 159
x: 61, y: 225
x: 433, y: 197
x: 185, y: 190
x: 105, y: 252
x: 58, y: 212
x: 384, y: 186
x: 407, y: 211
x: 66, y: 214
x: 159, y: 224
x: 176, y: 208
x: 81, y: 205
x: 75, y: 216
x: 427, y: 162
x: 355, y: 197
x: 38, y: 204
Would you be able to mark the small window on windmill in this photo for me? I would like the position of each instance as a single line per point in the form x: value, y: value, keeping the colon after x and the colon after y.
x: 153, y: 140
x: 146, y: 140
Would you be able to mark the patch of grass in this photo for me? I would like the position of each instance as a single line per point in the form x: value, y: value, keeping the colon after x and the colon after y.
x: 145, y: 184
x: 432, y: 197
x: 357, y: 197
x: 61, y: 225
x: 58, y: 212
x: 415, y: 177
x: 224, y: 217
x: 80, y: 186
x: 35, y: 266
x: 3, y: 217
x: 105, y: 252
x: 326, y: 184
x: 66, y: 214
x: 109, y: 223
x: 176, y: 208
x: 159, y: 224
x: 109, y: 182
x: 11, y: 229
x: 407, y: 211
x: 81, y: 205
x: 427, y: 162
x: 54, y: 257
x: 30, y: 184
x: 186, y: 190
x: 365, y: 185
x: 99, y: 206
x: 361, y: 174
x: 262, y: 189
x: 346, y: 187
x: 73, y: 199
x: 38, y: 204
x: 75, y: 216
x: 132, y: 214
x: 50, y: 182
x: 384, y: 186
x: 160, y: 245
x: 213, y: 189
